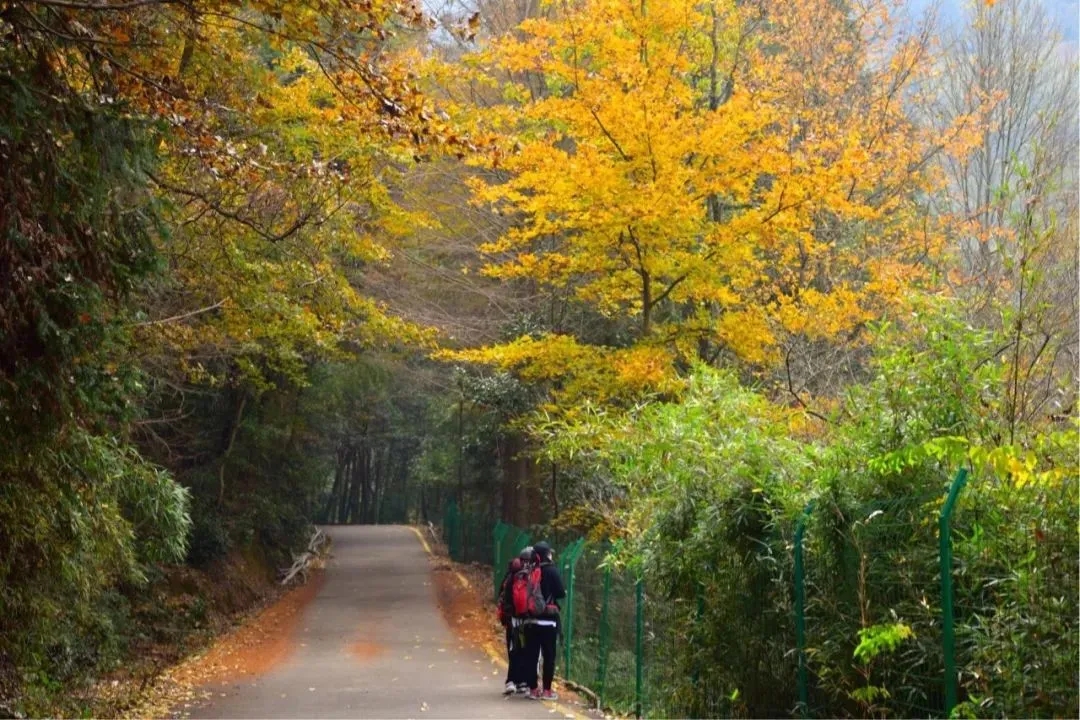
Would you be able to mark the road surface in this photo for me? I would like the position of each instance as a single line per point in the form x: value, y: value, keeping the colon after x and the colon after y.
x: 373, y: 644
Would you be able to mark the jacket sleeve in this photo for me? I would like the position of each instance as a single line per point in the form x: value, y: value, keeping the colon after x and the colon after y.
x: 554, y: 589
x: 506, y: 595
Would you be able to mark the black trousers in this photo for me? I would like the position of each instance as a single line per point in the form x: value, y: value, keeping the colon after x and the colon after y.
x: 540, y: 640
x: 516, y: 656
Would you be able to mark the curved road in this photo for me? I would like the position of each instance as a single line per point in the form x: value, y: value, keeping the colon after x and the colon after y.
x: 373, y: 644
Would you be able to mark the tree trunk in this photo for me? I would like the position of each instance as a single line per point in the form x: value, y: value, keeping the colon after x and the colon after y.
x: 402, y: 482
x: 353, y: 515
x: 347, y: 485
x: 328, y: 514
x: 382, y: 479
x: 364, y: 463
x: 228, y: 448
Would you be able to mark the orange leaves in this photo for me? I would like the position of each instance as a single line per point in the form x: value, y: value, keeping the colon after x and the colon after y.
x: 643, y: 369
x: 584, y: 372
x: 821, y: 316
x: 747, y: 332
x: 275, y: 124
x: 725, y: 176
x: 649, y: 186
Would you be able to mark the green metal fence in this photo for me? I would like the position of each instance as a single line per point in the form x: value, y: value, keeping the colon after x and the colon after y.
x: 794, y: 607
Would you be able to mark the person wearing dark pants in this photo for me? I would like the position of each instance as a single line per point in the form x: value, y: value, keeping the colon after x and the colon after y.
x: 517, y: 674
x: 516, y: 653
x: 541, y: 633
x: 540, y: 641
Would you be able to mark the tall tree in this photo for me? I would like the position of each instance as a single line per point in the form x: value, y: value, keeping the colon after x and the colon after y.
x: 729, y: 177
x: 1015, y: 196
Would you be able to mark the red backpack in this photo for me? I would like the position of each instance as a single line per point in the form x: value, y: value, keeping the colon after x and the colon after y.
x: 527, y: 594
x: 505, y: 609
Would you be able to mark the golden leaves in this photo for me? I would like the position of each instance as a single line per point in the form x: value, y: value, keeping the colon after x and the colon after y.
x: 639, y: 185
x: 585, y: 372
x: 274, y: 130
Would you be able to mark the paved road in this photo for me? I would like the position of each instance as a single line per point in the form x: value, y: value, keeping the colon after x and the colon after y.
x: 373, y: 644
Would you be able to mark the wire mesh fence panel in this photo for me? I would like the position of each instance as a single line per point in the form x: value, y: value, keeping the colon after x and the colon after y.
x: 451, y: 530
x: 679, y: 678
x: 619, y: 691
x: 476, y: 544
x: 873, y: 611
x: 1016, y: 592
x: 732, y: 632
x: 664, y: 673
x: 515, y: 541
x: 587, y: 609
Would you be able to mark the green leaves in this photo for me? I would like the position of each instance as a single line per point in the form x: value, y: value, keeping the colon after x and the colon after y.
x: 877, y: 640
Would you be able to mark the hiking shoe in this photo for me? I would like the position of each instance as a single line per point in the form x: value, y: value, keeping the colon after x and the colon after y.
x: 548, y: 695
x: 510, y: 689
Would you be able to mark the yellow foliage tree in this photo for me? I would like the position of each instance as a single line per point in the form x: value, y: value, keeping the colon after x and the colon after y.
x: 726, y: 175
x: 276, y: 124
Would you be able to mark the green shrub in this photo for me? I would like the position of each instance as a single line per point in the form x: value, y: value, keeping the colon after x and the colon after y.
x: 209, y: 540
x: 715, y: 483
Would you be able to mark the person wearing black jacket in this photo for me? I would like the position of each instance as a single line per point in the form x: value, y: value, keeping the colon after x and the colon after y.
x: 516, y: 655
x: 541, y: 634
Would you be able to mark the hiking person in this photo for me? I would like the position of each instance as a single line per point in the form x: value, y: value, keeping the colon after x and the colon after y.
x: 542, y: 625
x: 516, y: 678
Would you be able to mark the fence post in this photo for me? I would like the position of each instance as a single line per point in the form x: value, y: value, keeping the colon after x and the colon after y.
x: 605, y: 637
x: 639, y: 648
x: 567, y: 566
x: 948, y: 640
x: 498, y: 535
x: 568, y: 612
x: 800, y: 611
